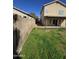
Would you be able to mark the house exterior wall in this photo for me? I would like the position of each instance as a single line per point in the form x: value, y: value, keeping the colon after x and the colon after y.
x: 55, y: 9
x: 24, y: 25
x: 63, y: 24
x: 21, y: 14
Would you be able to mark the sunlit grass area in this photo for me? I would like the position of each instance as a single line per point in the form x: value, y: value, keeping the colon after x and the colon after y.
x: 45, y: 44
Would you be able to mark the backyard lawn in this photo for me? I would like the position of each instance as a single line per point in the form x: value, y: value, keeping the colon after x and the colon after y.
x: 45, y: 44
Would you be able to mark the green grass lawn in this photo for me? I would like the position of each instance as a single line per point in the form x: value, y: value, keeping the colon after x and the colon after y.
x: 45, y: 44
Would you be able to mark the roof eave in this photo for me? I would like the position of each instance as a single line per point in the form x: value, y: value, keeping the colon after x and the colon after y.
x: 22, y: 11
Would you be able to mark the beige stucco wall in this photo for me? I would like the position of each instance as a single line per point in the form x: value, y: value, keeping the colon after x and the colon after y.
x: 21, y: 14
x: 24, y: 25
x: 63, y: 24
x: 53, y: 10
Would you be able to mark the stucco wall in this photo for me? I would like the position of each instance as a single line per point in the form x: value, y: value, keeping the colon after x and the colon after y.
x: 24, y: 25
x: 21, y: 14
x: 63, y: 24
x: 54, y: 10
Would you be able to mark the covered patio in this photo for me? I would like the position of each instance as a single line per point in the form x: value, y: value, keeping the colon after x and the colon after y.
x: 53, y: 21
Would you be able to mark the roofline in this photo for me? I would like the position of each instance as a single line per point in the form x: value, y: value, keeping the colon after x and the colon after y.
x: 51, y: 3
x: 54, y: 2
x: 22, y: 11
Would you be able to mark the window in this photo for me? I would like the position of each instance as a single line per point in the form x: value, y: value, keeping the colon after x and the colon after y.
x: 46, y: 11
x: 61, y: 12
